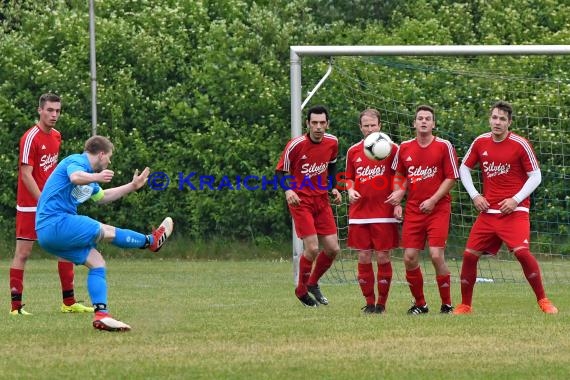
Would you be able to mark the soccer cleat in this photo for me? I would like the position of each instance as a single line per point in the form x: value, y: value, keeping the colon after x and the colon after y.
x: 161, y: 234
x: 316, y: 292
x: 307, y: 300
x: 547, y: 306
x: 76, y: 308
x: 380, y: 309
x: 446, y: 309
x: 103, y: 321
x: 415, y: 310
x: 368, y: 309
x: 20, y: 311
x: 462, y: 309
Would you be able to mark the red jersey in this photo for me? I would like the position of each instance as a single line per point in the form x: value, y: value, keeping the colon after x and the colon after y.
x: 39, y: 150
x: 503, y: 165
x: 425, y: 168
x: 308, y: 163
x: 373, y: 181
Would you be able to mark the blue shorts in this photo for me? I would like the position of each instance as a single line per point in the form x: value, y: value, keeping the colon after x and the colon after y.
x: 70, y: 237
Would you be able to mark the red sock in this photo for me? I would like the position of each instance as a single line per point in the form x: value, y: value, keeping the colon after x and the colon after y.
x: 468, y: 277
x: 531, y: 271
x: 444, y: 286
x: 366, y: 282
x: 305, y: 267
x: 66, y: 276
x: 322, y: 264
x: 416, y: 283
x: 384, y: 281
x: 16, y: 287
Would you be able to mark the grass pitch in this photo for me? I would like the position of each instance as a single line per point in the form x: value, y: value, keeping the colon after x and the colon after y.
x: 240, y: 320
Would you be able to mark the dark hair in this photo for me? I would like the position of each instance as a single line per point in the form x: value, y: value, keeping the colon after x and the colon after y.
x: 370, y: 112
x: 49, y: 97
x: 317, y: 110
x: 425, y: 107
x: 96, y: 144
x: 505, y: 107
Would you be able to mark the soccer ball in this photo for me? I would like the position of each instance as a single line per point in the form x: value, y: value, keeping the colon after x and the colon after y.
x: 377, y: 146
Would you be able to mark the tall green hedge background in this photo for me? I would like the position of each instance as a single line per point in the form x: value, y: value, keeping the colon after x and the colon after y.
x: 203, y: 86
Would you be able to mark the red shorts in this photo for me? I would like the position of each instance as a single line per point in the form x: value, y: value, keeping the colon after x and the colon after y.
x: 377, y: 236
x: 419, y: 227
x: 26, y: 225
x: 490, y: 230
x: 313, y: 216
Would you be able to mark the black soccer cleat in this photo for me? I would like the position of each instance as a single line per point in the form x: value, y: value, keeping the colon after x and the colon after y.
x: 380, y: 309
x: 368, y: 309
x: 446, y: 309
x: 316, y: 292
x: 415, y: 310
x: 307, y: 300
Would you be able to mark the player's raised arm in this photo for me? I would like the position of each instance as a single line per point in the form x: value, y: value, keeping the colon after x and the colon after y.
x: 114, y: 193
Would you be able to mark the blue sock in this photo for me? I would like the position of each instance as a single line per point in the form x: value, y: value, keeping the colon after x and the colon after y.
x: 97, y: 286
x: 128, y: 239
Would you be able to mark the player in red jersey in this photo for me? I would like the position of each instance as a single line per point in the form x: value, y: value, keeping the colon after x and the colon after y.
x: 308, y: 160
x: 426, y: 167
x: 372, y: 227
x: 510, y: 174
x: 39, y: 149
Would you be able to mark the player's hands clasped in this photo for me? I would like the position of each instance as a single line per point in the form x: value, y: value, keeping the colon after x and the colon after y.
x: 395, y: 198
x: 508, y: 205
x: 427, y: 206
x: 139, y: 180
x: 480, y: 203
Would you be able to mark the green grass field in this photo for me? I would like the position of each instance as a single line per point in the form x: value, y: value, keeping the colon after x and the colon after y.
x: 240, y: 320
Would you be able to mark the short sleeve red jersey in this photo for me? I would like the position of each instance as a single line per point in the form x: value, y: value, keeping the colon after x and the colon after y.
x: 373, y: 181
x: 308, y: 162
x: 503, y: 165
x: 425, y: 168
x: 39, y: 150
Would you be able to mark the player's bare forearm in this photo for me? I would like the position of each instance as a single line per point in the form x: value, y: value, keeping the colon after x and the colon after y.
x: 29, y: 181
x: 118, y: 192
x: 84, y: 178
x: 443, y: 189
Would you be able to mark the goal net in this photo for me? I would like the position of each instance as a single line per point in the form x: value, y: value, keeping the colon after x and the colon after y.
x: 461, y: 89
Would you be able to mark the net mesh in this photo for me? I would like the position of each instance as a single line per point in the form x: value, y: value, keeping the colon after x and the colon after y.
x: 462, y: 89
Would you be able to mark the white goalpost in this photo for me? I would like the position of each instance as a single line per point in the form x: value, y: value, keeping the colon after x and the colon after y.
x: 393, y: 79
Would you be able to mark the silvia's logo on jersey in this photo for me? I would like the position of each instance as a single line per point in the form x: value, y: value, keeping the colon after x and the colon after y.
x: 43, y: 147
x: 417, y: 174
x: 367, y: 172
x: 47, y: 161
x: 359, y: 159
x: 491, y: 169
x: 311, y: 170
x: 409, y: 158
x: 304, y: 157
x: 484, y: 153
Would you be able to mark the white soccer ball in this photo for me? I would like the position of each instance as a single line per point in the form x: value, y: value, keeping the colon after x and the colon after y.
x: 377, y: 146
